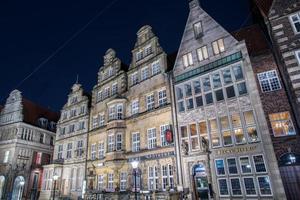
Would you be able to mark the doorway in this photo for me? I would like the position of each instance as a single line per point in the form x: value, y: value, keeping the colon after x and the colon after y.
x: 18, y: 188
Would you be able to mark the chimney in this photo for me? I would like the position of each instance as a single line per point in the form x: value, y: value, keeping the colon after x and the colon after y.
x: 193, y: 3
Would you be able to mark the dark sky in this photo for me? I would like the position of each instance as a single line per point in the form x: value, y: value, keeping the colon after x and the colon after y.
x: 30, y: 31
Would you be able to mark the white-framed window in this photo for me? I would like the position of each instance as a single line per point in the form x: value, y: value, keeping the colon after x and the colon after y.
x: 264, y: 185
x: 220, y: 167
x: 81, y: 125
x: 101, y: 151
x: 106, y: 92
x: 151, y: 133
x: 225, y: 131
x: 237, y: 128
x: 297, y: 54
x: 198, y: 30
x: 245, y: 165
x: 135, y: 107
x: 100, y: 182
x: 71, y: 128
x: 110, y: 185
x: 123, y: 181
x: 259, y: 164
x: 269, y: 81
x: 236, y: 189
x: 69, y: 150
x: 162, y: 97
x: 73, y: 113
x: 95, y: 122
x: 134, y: 78
x: 232, y: 166
x: 60, y: 151
x: 282, y: 124
x: 139, y: 55
x: 99, y: 96
x: 155, y: 68
x: 223, y: 187
x: 79, y: 148
x: 218, y: 46
x: 119, y: 111
x: 295, y: 21
x: 249, y: 186
x: 93, y: 151
x: 187, y: 59
x: 163, y: 129
x: 114, y: 89
x: 112, y: 112
x: 148, y: 50
x: 152, y: 178
x: 119, y: 141
x: 150, y: 102
x: 111, y: 143
x: 167, y: 177
x: 101, y: 120
x: 6, y: 156
x: 202, y: 53
x: 144, y: 73
x: 136, y: 142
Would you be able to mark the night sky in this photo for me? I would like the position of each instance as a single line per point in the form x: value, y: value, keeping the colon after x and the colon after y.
x: 30, y: 31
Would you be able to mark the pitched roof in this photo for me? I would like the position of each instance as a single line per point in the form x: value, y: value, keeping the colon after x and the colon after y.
x: 254, y: 37
x: 32, y: 112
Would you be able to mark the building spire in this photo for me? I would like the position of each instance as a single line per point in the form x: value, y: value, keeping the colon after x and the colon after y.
x: 193, y: 3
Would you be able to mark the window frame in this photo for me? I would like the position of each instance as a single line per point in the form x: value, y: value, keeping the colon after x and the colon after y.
x: 150, y: 102
x: 241, y: 187
x: 255, y: 187
x: 151, y: 138
x: 136, y: 144
x: 220, y: 175
x: 268, y: 79
x: 187, y: 59
x: 240, y: 164
x: 259, y: 189
x: 292, y: 22
x: 281, y: 121
x: 219, y: 188
x: 263, y: 162
x: 162, y: 100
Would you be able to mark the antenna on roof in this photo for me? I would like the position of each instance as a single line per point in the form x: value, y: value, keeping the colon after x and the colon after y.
x: 77, y: 79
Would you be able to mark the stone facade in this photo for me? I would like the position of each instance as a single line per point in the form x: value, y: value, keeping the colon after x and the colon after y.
x: 27, y: 134
x: 223, y: 136
x: 69, y: 160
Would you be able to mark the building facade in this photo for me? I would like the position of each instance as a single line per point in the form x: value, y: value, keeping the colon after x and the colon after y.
x: 130, y: 115
x: 27, y: 135
x: 223, y: 136
x: 69, y: 159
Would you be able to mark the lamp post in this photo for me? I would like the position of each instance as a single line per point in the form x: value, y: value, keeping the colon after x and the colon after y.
x: 55, y: 177
x: 135, y: 165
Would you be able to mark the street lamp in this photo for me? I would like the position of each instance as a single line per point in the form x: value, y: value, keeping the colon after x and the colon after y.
x: 55, y: 177
x: 135, y: 165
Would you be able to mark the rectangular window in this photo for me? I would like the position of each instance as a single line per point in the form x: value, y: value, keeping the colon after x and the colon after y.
x: 203, y: 133
x: 93, y: 151
x: 139, y: 55
x: 79, y: 148
x: 282, y: 124
x: 71, y: 128
x: 151, y: 138
x: 60, y: 152
x: 110, y: 185
x: 220, y: 167
x: 209, y: 98
x: 134, y: 78
x: 197, y: 87
x: 99, y: 96
x: 232, y: 166
x: 245, y: 165
x: 81, y: 125
x: 297, y: 54
x: 148, y: 50
x: 163, y: 129
x: 123, y: 181
x: 114, y: 89
x: 202, y: 53
x: 295, y: 21
x: 214, y: 133
x: 251, y: 126
x: 223, y: 187
x: 119, y: 111
x: 106, y: 93
x: 112, y: 112
x: 226, y: 132
x: 6, y: 157
x: 218, y: 46
x: 119, y: 141
x: 235, y: 187
x: 230, y: 91
x: 167, y: 177
x: 199, y: 101
x: 181, y: 106
x: 101, y: 120
x: 188, y: 89
x: 237, y: 126
x: 69, y: 150
x: 152, y: 178
x: 187, y: 59
x: 135, y: 107
x: 238, y: 72
x: 227, y: 76
x: 249, y: 186
x: 95, y: 122
x: 150, y: 102
x: 189, y: 104
x: 269, y: 81
x: 144, y: 73
x: 198, y: 30
x: 101, y: 151
x: 259, y: 163
x: 242, y: 88
x: 264, y: 185
x: 162, y: 97
x: 111, y: 143
x: 179, y: 93
x: 155, y: 68
x: 194, y: 137
x: 101, y: 182
x: 136, y: 142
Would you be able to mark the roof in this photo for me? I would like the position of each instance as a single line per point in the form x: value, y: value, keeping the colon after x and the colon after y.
x: 32, y: 112
x: 254, y: 37
x: 264, y: 6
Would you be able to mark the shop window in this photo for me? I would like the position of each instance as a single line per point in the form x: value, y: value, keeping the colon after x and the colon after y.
x: 282, y: 124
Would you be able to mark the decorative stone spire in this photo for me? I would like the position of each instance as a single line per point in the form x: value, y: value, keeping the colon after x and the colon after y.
x: 193, y: 3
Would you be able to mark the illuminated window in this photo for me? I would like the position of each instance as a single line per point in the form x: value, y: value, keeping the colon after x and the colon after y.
x: 218, y: 46
x: 187, y: 59
x: 264, y: 185
x: 282, y: 124
x: 6, y: 156
x: 202, y: 53
x: 214, y: 133
x: 198, y: 30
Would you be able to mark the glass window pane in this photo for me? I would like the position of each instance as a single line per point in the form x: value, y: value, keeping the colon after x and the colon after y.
x: 236, y: 120
x: 195, y: 143
x: 193, y: 130
x: 232, y: 168
x: 188, y: 89
x: 264, y: 185
x: 209, y: 98
x: 242, y: 88
x: 239, y: 136
x: 223, y: 187
x: 206, y: 84
x: 179, y: 93
x: 215, y: 139
x: 216, y: 80
x: 227, y: 139
x: 227, y: 76
x: 245, y: 165
x: 220, y: 167
x: 181, y: 106
x: 213, y: 125
x: 183, y: 132
x: 202, y: 128
x: 189, y: 104
x: 252, y: 134
x: 219, y: 95
x: 224, y: 123
x: 199, y: 101
x: 197, y: 87
x: 249, y: 186
x: 236, y: 187
x: 249, y: 117
x: 238, y: 73
x: 230, y: 92
x: 259, y: 163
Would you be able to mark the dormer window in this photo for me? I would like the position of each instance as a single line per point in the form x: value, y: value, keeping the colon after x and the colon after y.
x: 218, y: 46
x: 187, y: 59
x: 198, y: 30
